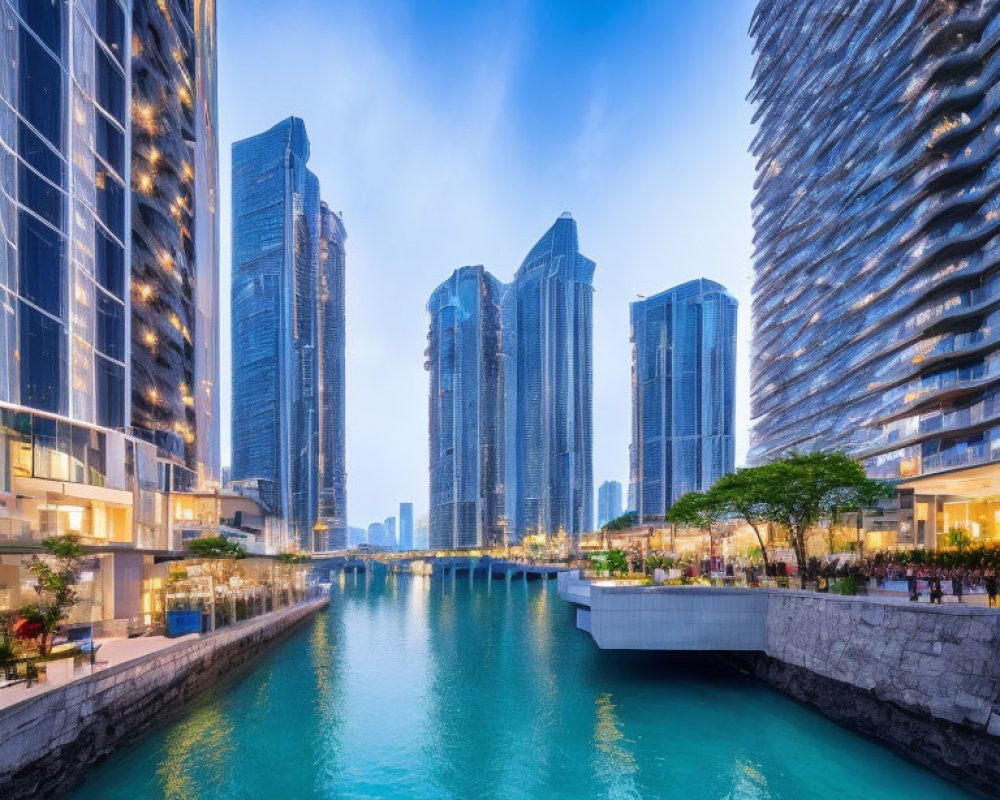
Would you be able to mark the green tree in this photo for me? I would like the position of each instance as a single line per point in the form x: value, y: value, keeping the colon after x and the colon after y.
x: 958, y: 539
x: 697, y: 510
x: 55, y: 579
x: 216, y: 547
x: 616, y: 562
x: 627, y: 520
x: 802, y: 488
x: 744, y: 493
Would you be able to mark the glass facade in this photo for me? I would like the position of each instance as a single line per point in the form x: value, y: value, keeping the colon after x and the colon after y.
x: 287, y: 332
x: 174, y: 231
x: 64, y: 210
x: 877, y: 216
x: 609, y: 502
x: 406, y: 526
x: 332, y: 399
x: 683, y: 393
x: 464, y: 360
x: 548, y: 375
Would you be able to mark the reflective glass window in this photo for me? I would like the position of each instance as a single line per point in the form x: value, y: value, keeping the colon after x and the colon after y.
x: 110, y: 86
x: 17, y: 432
x: 111, y: 27
x: 39, y: 195
x: 79, y: 445
x: 110, y: 202
x: 52, y: 441
x: 40, y: 263
x: 38, y: 154
x: 40, y: 87
x: 45, y: 18
x: 110, y: 264
x: 110, y: 379
x: 42, y: 351
x: 110, y: 326
x: 110, y: 143
x: 96, y: 456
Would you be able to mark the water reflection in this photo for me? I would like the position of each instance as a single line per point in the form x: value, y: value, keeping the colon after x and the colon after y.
x: 442, y: 688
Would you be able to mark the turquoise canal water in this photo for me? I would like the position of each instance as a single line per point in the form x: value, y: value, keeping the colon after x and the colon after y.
x: 413, y: 687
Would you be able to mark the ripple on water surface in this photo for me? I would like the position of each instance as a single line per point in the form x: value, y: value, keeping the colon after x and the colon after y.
x: 413, y: 687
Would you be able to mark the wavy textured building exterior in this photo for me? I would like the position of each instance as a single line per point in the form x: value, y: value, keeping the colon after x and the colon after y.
x: 683, y: 393
x: 464, y: 360
x: 174, y: 234
x: 288, y: 340
x: 548, y: 375
x: 876, y: 290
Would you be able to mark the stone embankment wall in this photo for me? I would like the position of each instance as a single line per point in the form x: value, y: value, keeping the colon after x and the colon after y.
x: 48, y: 741
x: 924, y: 681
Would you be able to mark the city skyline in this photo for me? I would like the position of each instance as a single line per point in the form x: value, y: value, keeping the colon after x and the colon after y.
x: 474, y: 167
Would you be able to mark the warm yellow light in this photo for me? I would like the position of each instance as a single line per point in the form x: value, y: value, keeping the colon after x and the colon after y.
x: 185, y: 95
x: 149, y: 338
x: 153, y: 395
x: 188, y: 400
x: 145, y: 291
x: 166, y: 260
x: 154, y: 155
x: 145, y: 183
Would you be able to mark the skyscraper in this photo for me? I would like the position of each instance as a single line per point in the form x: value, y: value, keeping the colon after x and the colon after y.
x: 609, y: 502
x: 376, y: 535
x: 466, y: 410
x: 875, y: 287
x: 548, y: 375
x: 406, y: 526
x: 332, y: 384
x: 288, y: 344
x: 174, y: 236
x: 683, y: 393
x: 389, y: 527
x: 89, y: 348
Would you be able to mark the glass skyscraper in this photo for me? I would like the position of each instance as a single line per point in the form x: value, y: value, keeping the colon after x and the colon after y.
x: 876, y: 289
x: 609, y: 502
x: 466, y: 411
x: 683, y: 393
x: 288, y: 340
x: 406, y: 526
x: 65, y: 132
x: 548, y: 375
x: 174, y: 235
x: 109, y: 263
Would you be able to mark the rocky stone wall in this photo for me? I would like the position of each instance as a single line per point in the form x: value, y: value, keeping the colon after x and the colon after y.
x: 921, y: 680
x: 49, y: 740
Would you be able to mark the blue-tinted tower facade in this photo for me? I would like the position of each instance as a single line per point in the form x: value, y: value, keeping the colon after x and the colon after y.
x: 64, y: 258
x: 406, y: 526
x: 287, y: 318
x: 683, y: 393
x: 464, y: 360
x: 609, y: 502
x: 548, y: 375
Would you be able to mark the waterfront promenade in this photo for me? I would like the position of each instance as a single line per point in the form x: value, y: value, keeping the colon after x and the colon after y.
x: 51, y: 735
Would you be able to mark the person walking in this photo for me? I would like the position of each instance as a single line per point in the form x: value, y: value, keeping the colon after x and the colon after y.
x: 991, y: 588
x: 956, y: 584
x: 936, y: 592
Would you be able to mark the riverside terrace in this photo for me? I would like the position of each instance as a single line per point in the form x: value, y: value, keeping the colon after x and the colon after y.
x: 922, y: 679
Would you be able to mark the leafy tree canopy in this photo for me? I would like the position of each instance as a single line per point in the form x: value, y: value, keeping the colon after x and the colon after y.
x: 216, y: 547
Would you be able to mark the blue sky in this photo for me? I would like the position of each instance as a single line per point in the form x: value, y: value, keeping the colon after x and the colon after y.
x: 453, y: 133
